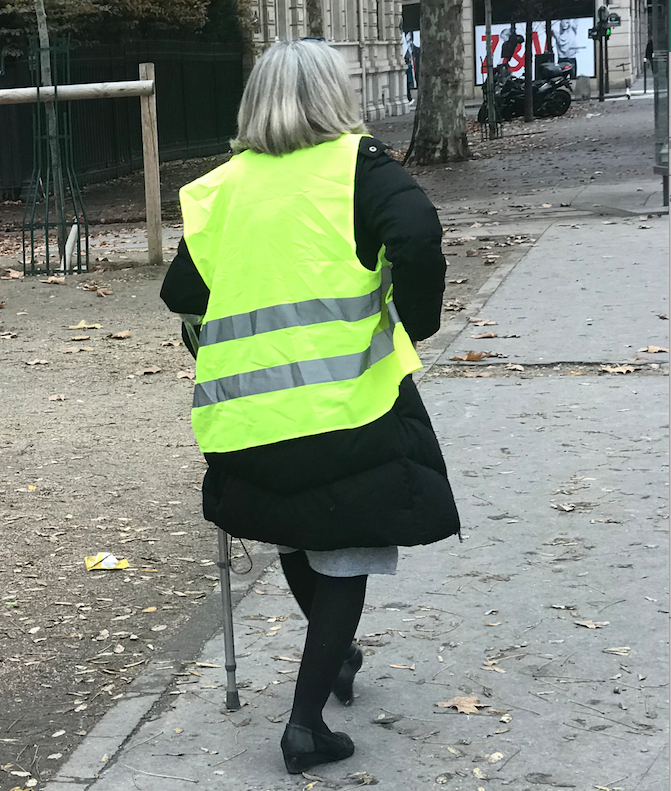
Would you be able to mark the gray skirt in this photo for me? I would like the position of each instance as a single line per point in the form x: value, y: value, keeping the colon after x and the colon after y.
x: 350, y: 562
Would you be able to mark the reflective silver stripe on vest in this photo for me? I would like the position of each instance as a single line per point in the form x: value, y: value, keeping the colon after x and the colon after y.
x: 305, y: 372
x: 295, y: 314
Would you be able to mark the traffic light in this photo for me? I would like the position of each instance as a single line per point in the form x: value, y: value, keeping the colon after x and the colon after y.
x: 602, y: 30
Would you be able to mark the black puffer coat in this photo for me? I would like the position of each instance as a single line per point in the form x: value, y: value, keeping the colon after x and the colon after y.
x: 383, y: 483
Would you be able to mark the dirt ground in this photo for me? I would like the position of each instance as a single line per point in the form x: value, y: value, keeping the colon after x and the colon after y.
x: 97, y: 455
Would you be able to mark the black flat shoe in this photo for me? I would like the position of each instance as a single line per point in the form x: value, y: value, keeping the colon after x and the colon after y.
x: 303, y: 748
x: 343, y: 686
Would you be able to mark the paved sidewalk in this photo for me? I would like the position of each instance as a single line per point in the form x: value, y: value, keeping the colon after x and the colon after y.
x: 552, y: 612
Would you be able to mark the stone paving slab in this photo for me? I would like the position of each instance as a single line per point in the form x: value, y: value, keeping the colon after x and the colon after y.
x: 586, y: 292
x: 580, y: 716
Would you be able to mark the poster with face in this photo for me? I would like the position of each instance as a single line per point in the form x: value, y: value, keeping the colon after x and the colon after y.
x: 570, y: 41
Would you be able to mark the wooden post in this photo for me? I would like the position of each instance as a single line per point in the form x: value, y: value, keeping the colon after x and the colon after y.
x: 152, y: 181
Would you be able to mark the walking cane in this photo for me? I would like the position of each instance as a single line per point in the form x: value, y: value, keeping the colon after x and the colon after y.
x: 232, y: 697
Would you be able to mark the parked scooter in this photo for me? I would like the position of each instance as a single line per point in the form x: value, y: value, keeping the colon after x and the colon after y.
x: 552, y: 95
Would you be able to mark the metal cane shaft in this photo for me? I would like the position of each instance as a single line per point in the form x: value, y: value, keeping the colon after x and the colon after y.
x: 232, y: 697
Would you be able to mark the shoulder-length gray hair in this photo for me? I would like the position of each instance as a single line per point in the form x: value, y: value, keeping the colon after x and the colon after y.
x: 299, y: 94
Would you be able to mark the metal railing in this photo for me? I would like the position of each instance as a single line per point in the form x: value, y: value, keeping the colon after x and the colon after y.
x: 198, y: 89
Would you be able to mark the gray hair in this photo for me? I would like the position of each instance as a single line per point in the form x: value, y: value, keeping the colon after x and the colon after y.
x: 298, y: 95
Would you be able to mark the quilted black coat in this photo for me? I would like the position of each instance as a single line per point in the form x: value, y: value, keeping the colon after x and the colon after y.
x: 381, y: 484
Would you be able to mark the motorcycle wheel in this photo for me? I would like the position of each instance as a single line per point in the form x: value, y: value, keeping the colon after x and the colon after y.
x: 558, y: 103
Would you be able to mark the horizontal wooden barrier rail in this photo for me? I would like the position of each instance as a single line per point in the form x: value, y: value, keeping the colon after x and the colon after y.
x: 85, y: 90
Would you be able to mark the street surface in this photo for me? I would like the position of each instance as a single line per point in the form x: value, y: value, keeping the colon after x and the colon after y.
x: 551, y: 616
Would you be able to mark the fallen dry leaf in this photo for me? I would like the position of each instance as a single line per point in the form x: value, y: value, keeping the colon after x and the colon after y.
x: 75, y: 349
x: 153, y: 369
x: 471, y: 356
x: 57, y: 397
x: 482, y: 322
x: 459, y: 280
x: 8, y: 335
x: 81, y: 338
x: 622, y: 650
x: 514, y: 367
x: 471, y: 253
x: 171, y: 343
x: 37, y: 362
x: 592, y: 624
x: 150, y: 609
x: 564, y: 506
x: 11, y: 274
x: 361, y: 779
x: 186, y: 375
x: 286, y: 659
x: 54, y: 280
x: 104, y: 292
x: 83, y: 325
x: 463, y: 705
x: 120, y: 336
x: 618, y: 369
x: 403, y: 667
x: 495, y: 623
x: 654, y: 349
x: 484, y: 335
x: 493, y: 758
x: 480, y: 774
x: 386, y: 719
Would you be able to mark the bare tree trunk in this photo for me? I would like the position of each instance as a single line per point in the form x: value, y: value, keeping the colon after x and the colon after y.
x: 52, y: 124
x: 441, y: 118
x: 315, y: 19
x: 528, y: 65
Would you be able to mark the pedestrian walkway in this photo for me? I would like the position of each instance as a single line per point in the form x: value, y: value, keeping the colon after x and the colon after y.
x: 547, y: 623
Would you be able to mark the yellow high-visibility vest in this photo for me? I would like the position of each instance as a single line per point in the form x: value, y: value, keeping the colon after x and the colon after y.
x: 299, y: 338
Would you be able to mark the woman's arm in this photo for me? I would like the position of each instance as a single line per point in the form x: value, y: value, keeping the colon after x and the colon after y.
x: 183, y: 289
x: 391, y: 209
x: 185, y: 292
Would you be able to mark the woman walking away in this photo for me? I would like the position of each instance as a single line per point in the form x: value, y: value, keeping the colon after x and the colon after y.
x: 315, y: 436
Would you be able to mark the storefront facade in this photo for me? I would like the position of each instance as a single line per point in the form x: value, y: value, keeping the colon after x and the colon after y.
x: 566, y: 31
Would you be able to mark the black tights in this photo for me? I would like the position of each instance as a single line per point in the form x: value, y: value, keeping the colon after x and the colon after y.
x: 333, y: 608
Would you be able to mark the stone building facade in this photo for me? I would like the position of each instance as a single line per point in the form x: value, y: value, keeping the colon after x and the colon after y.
x: 366, y: 32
